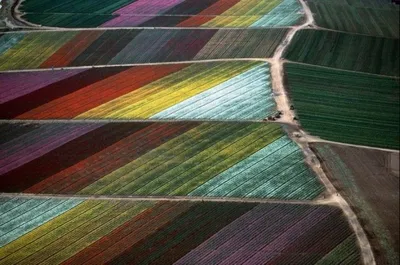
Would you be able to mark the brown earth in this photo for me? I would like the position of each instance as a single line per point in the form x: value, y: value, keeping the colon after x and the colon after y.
x: 369, y: 181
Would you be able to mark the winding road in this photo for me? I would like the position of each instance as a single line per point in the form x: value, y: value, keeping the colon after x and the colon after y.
x: 283, y: 104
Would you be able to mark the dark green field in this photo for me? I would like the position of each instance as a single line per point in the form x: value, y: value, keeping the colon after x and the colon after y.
x: 73, y: 6
x: 68, y: 20
x: 344, y: 106
x: 381, y: 4
x: 71, y: 13
x: 374, y: 21
x: 346, y: 51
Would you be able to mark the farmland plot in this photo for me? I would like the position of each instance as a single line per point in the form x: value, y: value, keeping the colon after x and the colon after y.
x: 376, y: 4
x: 358, y: 173
x: 73, y: 6
x: 119, y: 232
x: 100, y: 47
x: 9, y: 40
x: 353, y: 52
x: 163, y: 13
x: 19, y: 216
x: 184, y: 158
x: 344, y: 17
x: 344, y: 106
x: 214, y: 91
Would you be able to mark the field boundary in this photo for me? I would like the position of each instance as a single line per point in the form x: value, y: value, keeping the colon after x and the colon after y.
x: 304, y: 137
x: 267, y: 60
x: 281, y: 98
x: 162, y: 198
x: 73, y: 121
x: 338, y: 69
x: 311, y: 139
x: 39, y: 28
x: 277, y: 75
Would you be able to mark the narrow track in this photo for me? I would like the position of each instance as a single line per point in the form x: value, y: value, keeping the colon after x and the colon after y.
x: 283, y: 102
x: 292, y: 132
x: 268, y: 60
x: 158, y: 198
x: 312, y: 139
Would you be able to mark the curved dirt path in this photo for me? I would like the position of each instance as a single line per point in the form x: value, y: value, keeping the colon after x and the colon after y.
x: 283, y: 104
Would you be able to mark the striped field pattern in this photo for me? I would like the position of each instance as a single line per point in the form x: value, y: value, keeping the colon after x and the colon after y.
x: 376, y: 4
x: 214, y: 91
x: 254, y: 160
x: 359, y: 185
x: 346, y: 51
x: 340, y: 15
x: 123, y: 232
x: 128, y: 46
x: 163, y: 13
x: 135, y: 132
x: 355, y: 108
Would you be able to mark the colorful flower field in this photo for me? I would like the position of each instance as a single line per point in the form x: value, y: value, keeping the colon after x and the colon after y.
x: 72, y: 231
x: 334, y: 104
x: 360, y: 53
x: 163, y: 13
x: 199, y: 132
x: 128, y: 46
x: 214, y: 91
x: 144, y: 158
x: 375, y: 20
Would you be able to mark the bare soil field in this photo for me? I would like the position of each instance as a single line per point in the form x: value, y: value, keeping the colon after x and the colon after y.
x: 369, y: 180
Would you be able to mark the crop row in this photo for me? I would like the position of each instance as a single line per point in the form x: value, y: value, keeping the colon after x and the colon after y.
x: 215, y: 91
x: 370, y: 21
x: 346, y: 51
x: 165, y: 13
x: 277, y: 242
x: 343, y: 106
x: 85, y: 48
x: 21, y: 149
x: 197, y: 159
x: 378, y: 208
x: 118, y: 232
x: 69, y: 232
x: 19, y: 216
x: 376, y: 4
x: 71, y: 6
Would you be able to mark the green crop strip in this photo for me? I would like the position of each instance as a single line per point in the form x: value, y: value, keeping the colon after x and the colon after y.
x: 346, y: 107
x: 346, y: 51
x: 372, y: 21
